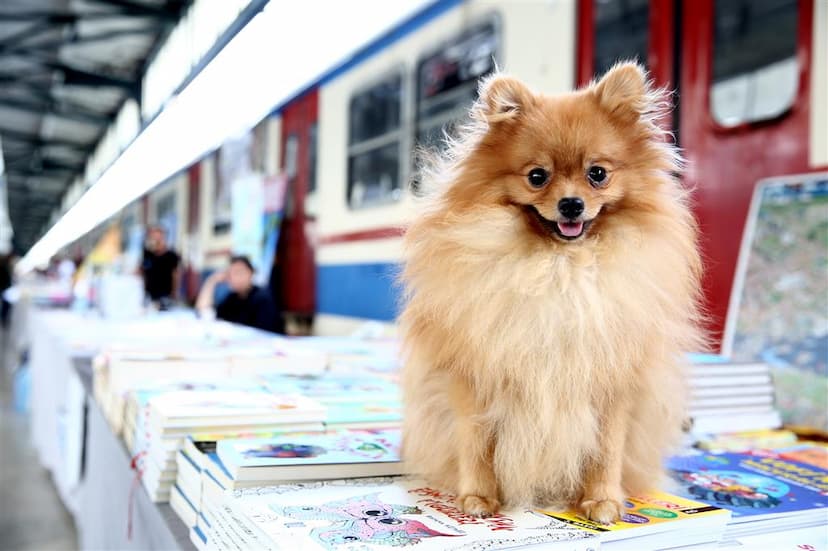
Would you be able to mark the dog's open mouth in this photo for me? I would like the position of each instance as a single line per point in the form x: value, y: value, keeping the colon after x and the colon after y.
x: 567, y: 230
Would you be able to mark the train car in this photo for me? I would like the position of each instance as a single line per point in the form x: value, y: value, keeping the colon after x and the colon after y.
x: 750, y: 79
x: 751, y: 101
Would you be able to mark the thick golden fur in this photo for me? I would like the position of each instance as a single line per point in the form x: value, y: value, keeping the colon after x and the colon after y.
x: 537, y: 370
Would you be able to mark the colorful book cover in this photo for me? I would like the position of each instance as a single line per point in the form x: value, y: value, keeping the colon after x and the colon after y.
x: 332, y: 387
x: 748, y: 440
x: 811, y: 454
x: 656, y: 509
x: 388, y: 513
x: 355, y: 446
x: 751, y: 486
x: 345, y: 413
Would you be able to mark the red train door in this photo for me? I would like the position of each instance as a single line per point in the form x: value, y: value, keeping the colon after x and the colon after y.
x: 745, y: 96
x: 295, y: 254
x: 741, y: 70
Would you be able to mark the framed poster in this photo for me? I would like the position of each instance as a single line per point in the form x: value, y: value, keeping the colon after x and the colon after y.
x: 778, y: 309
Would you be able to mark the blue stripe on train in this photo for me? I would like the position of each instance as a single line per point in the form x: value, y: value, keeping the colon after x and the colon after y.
x: 358, y: 290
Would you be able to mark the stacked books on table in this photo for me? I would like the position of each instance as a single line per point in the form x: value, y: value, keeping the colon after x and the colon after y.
x: 119, y: 371
x: 378, y: 513
x: 766, y: 491
x: 731, y: 397
x: 208, y: 469
x: 351, y: 400
x: 168, y: 417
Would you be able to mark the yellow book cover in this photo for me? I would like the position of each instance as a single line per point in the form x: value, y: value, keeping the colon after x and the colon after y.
x: 656, y: 511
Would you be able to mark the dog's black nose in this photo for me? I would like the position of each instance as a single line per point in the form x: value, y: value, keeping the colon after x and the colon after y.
x: 571, y: 207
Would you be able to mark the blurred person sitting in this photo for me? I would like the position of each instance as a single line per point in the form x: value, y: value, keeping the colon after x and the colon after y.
x: 159, y: 269
x: 246, y: 304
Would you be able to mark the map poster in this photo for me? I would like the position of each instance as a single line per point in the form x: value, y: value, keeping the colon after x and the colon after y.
x: 779, y: 305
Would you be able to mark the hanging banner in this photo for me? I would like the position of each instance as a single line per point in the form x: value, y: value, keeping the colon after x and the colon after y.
x: 274, y: 190
x: 247, y: 222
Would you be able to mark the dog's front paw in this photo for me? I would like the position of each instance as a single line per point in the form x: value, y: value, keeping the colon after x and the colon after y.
x: 602, y: 511
x: 478, y: 506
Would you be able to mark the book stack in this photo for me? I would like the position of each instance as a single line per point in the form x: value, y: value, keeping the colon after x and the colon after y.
x: 117, y: 371
x: 731, y: 397
x: 167, y: 418
x: 766, y: 491
x: 351, y: 355
x: 207, y: 469
x: 352, y: 400
x: 375, y: 513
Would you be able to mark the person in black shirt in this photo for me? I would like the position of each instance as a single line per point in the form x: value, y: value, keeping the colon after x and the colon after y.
x: 160, y: 269
x: 5, y: 283
x: 247, y: 304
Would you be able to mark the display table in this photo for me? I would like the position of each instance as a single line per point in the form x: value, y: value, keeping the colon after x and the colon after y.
x: 107, y: 485
x: 89, y: 465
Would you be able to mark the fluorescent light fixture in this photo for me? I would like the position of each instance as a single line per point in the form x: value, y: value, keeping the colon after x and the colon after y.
x: 279, y: 52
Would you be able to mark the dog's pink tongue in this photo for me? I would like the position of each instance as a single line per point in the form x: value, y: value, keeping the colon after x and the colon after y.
x: 571, y: 229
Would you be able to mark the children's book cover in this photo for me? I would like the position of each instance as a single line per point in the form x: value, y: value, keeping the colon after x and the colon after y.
x: 354, y: 446
x: 388, y: 513
x: 751, y: 486
x: 657, y: 511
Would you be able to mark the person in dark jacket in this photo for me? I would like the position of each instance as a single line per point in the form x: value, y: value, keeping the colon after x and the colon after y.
x: 5, y: 283
x: 246, y: 304
x: 159, y: 269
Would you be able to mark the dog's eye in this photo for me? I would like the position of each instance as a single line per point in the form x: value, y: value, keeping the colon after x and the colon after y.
x: 597, y: 176
x: 538, y: 177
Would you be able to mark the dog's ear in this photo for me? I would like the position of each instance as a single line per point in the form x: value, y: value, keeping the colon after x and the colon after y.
x: 623, y: 91
x: 502, y: 98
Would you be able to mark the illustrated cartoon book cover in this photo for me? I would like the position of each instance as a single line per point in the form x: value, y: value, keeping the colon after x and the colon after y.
x: 654, y: 512
x: 354, y: 446
x: 751, y: 485
x: 388, y: 513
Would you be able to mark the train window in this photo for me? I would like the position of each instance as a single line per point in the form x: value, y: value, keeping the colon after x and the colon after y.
x: 292, y: 156
x: 374, y: 144
x: 755, y: 73
x: 622, y: 32
x: 447, y: 81
x: 312, y: 157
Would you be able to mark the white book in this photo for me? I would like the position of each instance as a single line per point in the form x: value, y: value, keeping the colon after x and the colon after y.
x: 698, y: 404
x: 197, y: 408
x: 198, y: 539
x: 730, y: 380
x: 715, y: 392
x: 736, y: 422
x: 728, y: 369
x: 378, y: 514
x: 189, y: 478
x: 340, y: 454
x: 183, y: 507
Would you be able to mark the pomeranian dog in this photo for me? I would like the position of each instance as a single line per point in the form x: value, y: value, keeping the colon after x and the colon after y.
x: 552, y: 287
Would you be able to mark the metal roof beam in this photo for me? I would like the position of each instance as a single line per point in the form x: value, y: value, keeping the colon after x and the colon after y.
x: 54, y: 109
x: 38, y: 141
x: 41, y: 165
x: 72, y: 40
x: 36, y: 28
x: 73, y: 76
x: 170, y: 10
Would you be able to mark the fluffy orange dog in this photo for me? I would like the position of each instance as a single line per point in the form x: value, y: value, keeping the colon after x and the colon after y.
x: 552, y: 283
